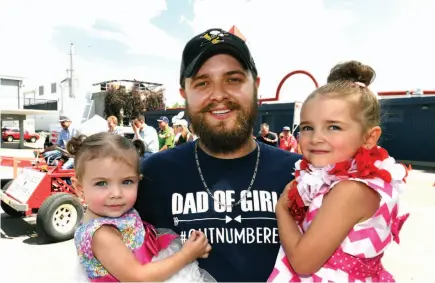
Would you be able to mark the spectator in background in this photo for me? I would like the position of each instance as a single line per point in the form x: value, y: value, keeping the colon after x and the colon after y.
x: 112, y: 123
x: 287, y: 141
x: 266, y: 136
x: 181, y: 132
x: 145, y: 133
x: 51, y: 153
x: 166, y: 134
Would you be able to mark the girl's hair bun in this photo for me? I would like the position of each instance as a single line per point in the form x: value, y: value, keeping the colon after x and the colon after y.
x: 353, y: 71
x: 74, y: 145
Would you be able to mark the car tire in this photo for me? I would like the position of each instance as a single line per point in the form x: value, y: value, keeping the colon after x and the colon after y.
x: 6, y: 208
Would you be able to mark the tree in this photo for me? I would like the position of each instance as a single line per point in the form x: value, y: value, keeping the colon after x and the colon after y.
x: 114, y: 102
x: 179, y: 105
x: 154, y: 100
x: 134, y: 103
x: 121, y: 103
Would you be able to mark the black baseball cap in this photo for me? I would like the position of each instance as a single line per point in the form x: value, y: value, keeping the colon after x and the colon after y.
x: 212, y: 42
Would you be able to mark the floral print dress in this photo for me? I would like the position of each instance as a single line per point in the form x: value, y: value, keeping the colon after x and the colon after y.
x: 144, y: 241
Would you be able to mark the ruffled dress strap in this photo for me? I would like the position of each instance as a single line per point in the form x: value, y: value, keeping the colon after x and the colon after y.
x: 383, y: 174
x: 153, y: 243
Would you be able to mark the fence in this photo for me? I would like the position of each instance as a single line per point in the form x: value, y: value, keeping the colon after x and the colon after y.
x: 408, y: 125
x: 40, y: 104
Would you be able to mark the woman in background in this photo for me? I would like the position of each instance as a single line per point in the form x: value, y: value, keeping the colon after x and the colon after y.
x: 112, y: 123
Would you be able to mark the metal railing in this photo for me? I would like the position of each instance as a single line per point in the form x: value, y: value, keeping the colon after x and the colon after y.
x: 40, y: 104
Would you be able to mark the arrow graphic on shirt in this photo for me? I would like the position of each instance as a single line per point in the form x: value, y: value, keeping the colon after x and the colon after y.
x: 227, y: 219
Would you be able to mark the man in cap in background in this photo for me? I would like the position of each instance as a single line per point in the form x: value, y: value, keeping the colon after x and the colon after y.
x: 225, y: 184
x: 166, y: 134
x: 51, y: 153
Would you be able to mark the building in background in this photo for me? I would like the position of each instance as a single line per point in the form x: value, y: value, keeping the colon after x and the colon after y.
x: 54, y: 95
x: 11, y: 92
x: 11, y: 98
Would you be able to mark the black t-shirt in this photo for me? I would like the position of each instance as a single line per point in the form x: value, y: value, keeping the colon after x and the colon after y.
x: 269, y: 136
x: 244, y: 238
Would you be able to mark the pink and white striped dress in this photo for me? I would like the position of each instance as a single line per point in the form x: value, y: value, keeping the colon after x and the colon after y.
x: 358, y: 259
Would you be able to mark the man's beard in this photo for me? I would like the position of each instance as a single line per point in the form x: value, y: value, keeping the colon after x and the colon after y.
x: 218, y: 139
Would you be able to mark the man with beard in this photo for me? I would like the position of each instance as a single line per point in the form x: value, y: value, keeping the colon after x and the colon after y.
x: 224, y: 184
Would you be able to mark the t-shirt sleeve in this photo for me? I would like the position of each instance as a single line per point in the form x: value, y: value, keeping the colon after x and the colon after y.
x: 59, y: 142
x: 169, y: 140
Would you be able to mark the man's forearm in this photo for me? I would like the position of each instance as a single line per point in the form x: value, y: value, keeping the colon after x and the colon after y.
x: 165, y: 147
x: 51, y: 148
x: 275, y: 138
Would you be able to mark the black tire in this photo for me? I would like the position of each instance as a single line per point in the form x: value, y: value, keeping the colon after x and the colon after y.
x: 10, y: 138
x: 6, y: 208
x: 51, y: 210
x: 6, y: 185
x: 32, y: 139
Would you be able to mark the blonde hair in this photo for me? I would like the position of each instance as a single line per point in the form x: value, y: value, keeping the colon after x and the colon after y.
x: 113, y: 119
x: 102, y: 145
x: 350, y: 81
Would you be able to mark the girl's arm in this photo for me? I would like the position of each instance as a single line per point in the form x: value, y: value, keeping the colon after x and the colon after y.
x: 347, y: 204
x: 109, y: 248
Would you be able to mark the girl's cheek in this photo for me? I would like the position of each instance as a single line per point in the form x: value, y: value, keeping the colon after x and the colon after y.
x: 94, y: 197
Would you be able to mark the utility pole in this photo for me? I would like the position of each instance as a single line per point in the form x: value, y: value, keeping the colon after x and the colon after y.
x: 71, y: 71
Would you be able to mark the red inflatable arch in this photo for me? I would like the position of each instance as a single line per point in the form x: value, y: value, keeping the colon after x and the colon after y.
x: 278, y: 90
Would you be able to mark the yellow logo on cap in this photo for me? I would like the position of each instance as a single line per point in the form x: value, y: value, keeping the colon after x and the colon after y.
x: 214, y: 37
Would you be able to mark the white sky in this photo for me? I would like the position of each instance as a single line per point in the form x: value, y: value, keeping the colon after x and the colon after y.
x: 396, y: 38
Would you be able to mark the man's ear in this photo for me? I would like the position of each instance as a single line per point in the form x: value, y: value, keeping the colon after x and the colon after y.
x: 183, y: 92
x: 257, y: 82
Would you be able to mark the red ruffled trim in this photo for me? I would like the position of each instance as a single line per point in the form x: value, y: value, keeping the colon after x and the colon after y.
x: 365, y: 162
x: 296, y: 204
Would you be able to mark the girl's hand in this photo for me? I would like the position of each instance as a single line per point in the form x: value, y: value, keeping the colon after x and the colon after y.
x: 207, y: 252
x: 283, y: 199
x: 196, y: 246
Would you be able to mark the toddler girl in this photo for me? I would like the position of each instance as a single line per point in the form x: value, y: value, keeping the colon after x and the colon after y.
x: 113, y: 243
x: 339, y: 215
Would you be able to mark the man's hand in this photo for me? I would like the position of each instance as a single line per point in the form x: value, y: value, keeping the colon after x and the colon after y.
x: 135, y: 129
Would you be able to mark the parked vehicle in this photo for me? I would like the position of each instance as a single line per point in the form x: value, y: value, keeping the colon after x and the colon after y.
x: 46, y: 192
x: 10, y: 134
